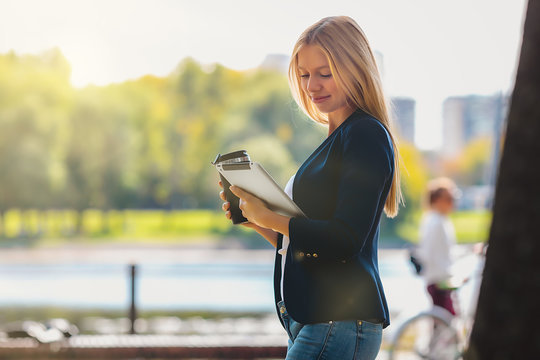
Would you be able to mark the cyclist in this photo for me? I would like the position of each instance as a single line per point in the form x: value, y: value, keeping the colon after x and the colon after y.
x: 437, y: 238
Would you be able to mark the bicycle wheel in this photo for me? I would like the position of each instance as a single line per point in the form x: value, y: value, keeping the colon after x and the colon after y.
x: 425, y: 336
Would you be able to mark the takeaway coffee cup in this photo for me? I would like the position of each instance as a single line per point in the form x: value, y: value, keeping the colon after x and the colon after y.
x: 235, y: 157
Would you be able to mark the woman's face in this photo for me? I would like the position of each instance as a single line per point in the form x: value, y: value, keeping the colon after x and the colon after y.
x: 318, y: 82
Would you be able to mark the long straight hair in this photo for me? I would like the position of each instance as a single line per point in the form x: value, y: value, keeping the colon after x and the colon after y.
x: 355, y: 71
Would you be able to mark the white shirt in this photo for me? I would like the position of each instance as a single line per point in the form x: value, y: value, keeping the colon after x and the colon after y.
x: 437, y: 238
x: 285, y: 243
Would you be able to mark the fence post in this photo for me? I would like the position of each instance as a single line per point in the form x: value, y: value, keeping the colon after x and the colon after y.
x: 132, y: 308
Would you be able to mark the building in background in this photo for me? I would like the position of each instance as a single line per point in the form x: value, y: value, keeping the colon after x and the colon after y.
x: 465, y: 119
x: 468, y: 117
x: 404, y: 117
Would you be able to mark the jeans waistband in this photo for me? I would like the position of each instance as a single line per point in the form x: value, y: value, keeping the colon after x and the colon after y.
x: 283, y: 312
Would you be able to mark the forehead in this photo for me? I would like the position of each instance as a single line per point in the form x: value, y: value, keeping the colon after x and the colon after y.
x: 311, y: 57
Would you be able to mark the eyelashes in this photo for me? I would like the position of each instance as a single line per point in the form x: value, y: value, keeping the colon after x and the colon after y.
x: 321, y: 75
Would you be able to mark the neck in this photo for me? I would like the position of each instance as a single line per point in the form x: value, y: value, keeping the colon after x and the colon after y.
x: 439, y: 211
x: 337, y: 117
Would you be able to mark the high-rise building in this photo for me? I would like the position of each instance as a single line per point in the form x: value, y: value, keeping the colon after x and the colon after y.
x: 453, y: 139
x: 468, y: 117
x: 404, y: 117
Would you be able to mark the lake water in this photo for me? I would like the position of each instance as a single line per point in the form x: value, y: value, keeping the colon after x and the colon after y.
x: 213, y: 282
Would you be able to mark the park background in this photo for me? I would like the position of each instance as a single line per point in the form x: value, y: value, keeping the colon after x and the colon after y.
x: 97, y: 153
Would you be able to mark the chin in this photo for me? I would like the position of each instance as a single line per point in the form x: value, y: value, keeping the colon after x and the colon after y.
x: 324, y: 109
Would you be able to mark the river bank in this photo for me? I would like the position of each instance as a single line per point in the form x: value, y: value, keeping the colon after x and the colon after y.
x: 200, y: 278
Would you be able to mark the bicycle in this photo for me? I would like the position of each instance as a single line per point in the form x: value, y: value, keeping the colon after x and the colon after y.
x: 434, y: 334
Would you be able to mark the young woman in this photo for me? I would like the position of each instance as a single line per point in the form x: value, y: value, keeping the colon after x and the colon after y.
x: 328, y: 291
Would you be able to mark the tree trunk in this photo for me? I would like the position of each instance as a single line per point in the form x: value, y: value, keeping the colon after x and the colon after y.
x: 509, y: 302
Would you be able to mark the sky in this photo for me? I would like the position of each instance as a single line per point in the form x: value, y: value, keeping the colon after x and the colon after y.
x: 431, y: 49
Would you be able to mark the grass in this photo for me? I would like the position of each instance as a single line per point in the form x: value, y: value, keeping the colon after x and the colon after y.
x: 470, y: 226
x: 57, y: 226
x: 32, y: 227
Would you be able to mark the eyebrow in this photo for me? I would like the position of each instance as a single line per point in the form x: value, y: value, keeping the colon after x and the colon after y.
x: 317, y: 68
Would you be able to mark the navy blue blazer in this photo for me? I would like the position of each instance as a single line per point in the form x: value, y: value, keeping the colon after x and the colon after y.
x: 331, y: 269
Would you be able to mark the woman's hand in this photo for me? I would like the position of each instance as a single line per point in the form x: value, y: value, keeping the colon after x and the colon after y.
x: 253, y: 208
x: 226, y: 207
x: 269, y: 234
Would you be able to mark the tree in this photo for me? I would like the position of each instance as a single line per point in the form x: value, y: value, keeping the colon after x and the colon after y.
x: 144, y: 143
x: 100, y: 151
x: 414, y: 177
x: 508, y: 306
x: 34, y: 106
x: 471, y: 167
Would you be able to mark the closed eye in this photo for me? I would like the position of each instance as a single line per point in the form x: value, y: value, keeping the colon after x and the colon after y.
x: 324, y: 76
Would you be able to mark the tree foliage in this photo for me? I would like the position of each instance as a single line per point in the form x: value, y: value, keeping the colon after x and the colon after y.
x: 472, y: 166
x: 146, y: 143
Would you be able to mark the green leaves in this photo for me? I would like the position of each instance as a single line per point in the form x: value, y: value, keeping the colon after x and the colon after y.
x: 148, y: 143
x: 138, y: 144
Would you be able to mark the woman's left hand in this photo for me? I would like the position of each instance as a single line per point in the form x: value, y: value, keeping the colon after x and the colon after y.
x: 253, y: 208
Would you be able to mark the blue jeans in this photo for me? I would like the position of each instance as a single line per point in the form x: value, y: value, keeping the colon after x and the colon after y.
x: 334, y: 340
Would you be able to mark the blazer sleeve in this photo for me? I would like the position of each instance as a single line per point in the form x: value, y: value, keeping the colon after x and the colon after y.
x: 367, y: 165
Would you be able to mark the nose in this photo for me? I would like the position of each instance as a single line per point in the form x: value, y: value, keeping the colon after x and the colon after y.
x: 313, y: 84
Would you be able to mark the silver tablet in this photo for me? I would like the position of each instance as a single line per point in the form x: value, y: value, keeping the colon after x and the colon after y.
x: 253, y: 178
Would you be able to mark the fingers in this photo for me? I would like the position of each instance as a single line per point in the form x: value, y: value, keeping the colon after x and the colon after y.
x: 226, y: 205
x: 238, y: 192
x: 244, y: 199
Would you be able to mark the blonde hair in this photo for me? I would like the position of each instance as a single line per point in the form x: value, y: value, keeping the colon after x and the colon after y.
x: 355, y: 71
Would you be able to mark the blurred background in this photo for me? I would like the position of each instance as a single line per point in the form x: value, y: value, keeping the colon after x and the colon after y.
x: 111, y: 112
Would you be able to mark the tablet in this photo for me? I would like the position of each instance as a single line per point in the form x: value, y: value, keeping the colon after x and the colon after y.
x: 253, y: 178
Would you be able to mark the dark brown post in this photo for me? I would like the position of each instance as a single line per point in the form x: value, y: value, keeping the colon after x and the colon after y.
x: 132, y: 308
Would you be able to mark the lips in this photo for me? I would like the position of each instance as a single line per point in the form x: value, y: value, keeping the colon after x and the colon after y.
x: 319, y: 99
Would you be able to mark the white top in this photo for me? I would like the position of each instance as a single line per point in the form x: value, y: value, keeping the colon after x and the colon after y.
x: 285, y: 243
x: 437, y: 238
